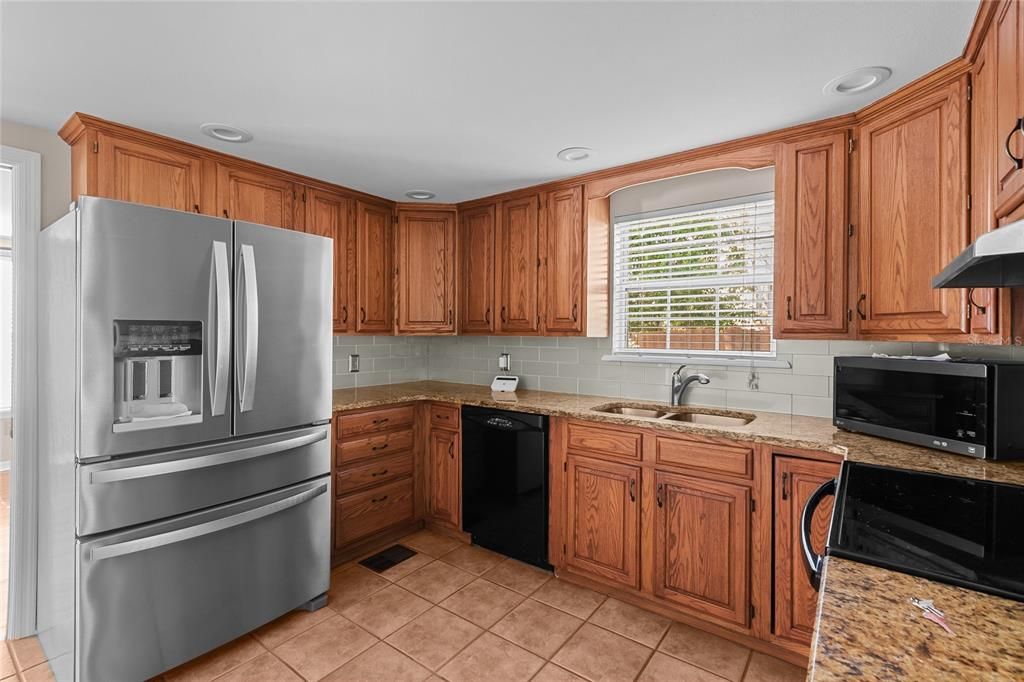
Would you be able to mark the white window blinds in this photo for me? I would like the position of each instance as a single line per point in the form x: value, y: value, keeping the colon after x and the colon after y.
x: 696, y: 280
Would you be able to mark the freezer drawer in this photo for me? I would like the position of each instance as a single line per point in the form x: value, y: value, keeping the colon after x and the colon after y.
x: 144, y: 488
x: 157, y: 596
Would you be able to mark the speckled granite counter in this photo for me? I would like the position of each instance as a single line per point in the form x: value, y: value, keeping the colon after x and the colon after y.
x: 811, y: 433
x: 867, y: 628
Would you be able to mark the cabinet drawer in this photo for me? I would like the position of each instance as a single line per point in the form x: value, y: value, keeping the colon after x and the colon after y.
x: 444, y: 416
x: 361, y: 514
x: 374, y: 473
x: 722, y: 458
x: 590, y: 439
x: 378, y: 420
x: 373, y: 446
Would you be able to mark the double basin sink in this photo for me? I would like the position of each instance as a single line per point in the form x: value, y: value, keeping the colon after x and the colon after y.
x: 677, y: 414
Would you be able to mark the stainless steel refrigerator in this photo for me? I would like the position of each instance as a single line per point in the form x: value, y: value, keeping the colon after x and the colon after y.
x: 184, y: 464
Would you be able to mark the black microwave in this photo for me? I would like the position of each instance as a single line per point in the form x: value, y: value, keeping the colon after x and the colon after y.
x: 973, y: 408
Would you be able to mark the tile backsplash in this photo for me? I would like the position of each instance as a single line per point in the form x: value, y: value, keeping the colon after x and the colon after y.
x: 575, y: 365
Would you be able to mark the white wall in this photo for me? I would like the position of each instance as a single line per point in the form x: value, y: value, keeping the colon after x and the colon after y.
x: 56, y: 164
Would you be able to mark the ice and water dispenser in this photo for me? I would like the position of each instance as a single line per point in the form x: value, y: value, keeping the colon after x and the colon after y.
x: 158, y: 378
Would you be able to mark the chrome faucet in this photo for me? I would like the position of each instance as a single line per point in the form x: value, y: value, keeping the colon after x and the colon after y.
x: 680, y: 382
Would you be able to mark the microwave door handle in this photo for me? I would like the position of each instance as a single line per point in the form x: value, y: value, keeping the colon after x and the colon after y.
x: 198, y: 531
x: 247, y: 332
x: 219, y: 351
x: 814, y: 562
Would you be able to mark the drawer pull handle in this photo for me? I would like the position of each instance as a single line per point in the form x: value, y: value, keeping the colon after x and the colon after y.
x: 661, y: 493
x: 1018, y: 162
x: 789, y: 307
x: 970, y: 299
x: 362, y: 315
x: 503, y: 320
x: 382, y: 420
x: 860, y: 310
x: 379, y: 473
x: 785, y: 483
x: 195, y: 207
x: 487, y: 316
x: 378, y: 448
x: 344, y: 313
x: 378, y: 499
x: 632, y: 490
x: 575, y: 307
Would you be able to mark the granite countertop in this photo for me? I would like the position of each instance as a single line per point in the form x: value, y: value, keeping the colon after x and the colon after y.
x: 785, y: 430
x: 868, y: 628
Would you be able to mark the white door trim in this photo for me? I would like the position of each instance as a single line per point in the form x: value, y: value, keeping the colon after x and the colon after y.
x: 26, y: 207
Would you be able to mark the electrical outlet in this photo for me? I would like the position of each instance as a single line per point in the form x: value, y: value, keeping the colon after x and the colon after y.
x: 353, y: 362
x: 505, y: 362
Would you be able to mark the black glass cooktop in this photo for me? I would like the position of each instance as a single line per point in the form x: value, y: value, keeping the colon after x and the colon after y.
x: 955, y: 530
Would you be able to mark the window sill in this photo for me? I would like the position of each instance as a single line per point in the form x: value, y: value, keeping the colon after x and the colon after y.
x: 701, y: 360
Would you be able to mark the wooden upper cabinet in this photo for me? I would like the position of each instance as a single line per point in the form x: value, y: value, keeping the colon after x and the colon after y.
x: 518, y: 258
x: 331, y: 215
x: 562, y: 283
x: 603, y: 528
x: 374, y: 275
x: 811, y: 237
x: 426, y: 272
x: 476, y: 290
x: 983, y: 305
x: 443, y: 466
x: 795, y: 600
x: 913, y: 215
x: 255, y: 197
x: 1007, y: 31
x: 142, y: 173
x: 702, y: 545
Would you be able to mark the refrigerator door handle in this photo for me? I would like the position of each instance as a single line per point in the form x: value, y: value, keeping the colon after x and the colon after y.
x: 247, y: 332
x: 177, y: 466
x: 197, y: 531
x: 220, y: 314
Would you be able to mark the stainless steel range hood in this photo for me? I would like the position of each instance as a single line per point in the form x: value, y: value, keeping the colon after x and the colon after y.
x: 996, y: 259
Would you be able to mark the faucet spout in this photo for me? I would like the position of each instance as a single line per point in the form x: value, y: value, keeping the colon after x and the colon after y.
x: 681, y: 382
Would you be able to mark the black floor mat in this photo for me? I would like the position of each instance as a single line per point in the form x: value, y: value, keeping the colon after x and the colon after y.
x: 385, y: 559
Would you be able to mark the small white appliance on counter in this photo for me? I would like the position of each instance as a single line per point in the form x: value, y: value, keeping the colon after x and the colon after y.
x: 185, y: 397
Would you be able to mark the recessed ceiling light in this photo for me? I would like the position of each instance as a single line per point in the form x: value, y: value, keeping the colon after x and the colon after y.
x: 858, y: 80
x: 575, y: 153
x: 225, y: 133
x: 420, y: 194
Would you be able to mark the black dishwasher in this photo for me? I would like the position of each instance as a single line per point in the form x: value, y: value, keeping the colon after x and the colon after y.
x: 505, y: 482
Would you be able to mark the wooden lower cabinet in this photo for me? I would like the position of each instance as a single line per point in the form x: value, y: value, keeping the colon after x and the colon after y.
x: 444, y: 466
x: 795, y: 600
x: 603, y: 521
x: 702, y: 545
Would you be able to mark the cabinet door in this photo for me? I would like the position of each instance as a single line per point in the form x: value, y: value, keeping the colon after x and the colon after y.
x: 983, y: 304
x: 518, y: 260
x: 255, y: 197
x: 795, y: 600
x: 148, y: 174
x: 563, y: 258
x: 604, y: 519
x: 811, y: 237
x: 476, y: 293
x: 374, y: 280
x: 913, y: 218
x: 443, y: 468
x: 426, y: 272
x: 330, y: 215
x: 702, y: 545
x: 1008, y: 32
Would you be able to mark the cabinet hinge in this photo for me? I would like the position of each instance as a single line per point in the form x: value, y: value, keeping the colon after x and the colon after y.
x: 968, y: 202
x: 970, y: 92
x: 565, y: 466
x: 849, y: 230
x: 753, y: 504
x: 849, y: 314
x: 303, y: 196
x: 565, y: 550
x: 95, y: 147
x: 853, y: 144
x: 752, y: 612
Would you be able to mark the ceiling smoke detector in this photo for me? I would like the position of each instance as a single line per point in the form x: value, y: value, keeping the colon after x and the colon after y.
x: 420, y: 194
x: 575, y: 153
x: 858, y: 80
x: 225, y: 133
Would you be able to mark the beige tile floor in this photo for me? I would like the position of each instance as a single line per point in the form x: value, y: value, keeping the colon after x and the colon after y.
x: 462, y: 614
x: 465, y: 614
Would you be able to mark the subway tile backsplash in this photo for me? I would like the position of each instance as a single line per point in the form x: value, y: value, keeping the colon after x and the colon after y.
x: 575, y: 365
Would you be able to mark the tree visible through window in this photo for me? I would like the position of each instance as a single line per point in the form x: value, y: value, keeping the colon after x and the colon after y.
x: 696, y: 279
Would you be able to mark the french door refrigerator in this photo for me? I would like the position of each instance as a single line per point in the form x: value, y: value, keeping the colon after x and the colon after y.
x: 184, y: 463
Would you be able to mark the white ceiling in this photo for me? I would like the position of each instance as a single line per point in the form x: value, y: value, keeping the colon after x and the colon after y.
x: 465, y: 99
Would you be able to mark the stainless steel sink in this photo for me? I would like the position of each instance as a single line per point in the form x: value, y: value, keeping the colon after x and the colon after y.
x: 678, y: 414
x: 706, y: 418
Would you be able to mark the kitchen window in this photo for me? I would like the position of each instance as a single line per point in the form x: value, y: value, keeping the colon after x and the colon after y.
x: 695, y: 280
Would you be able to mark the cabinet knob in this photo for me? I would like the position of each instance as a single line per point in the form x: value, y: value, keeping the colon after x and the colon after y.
x: 1018, y: 127
x: 195, y: 207
x: 226, y: 214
